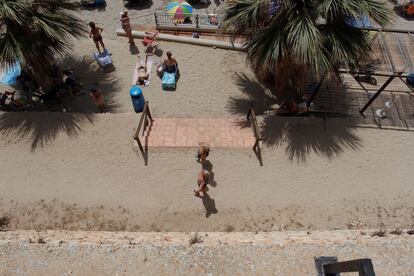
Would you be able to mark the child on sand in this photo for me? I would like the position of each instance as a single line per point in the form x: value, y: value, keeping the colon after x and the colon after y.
x: 98, y: 98
x: 126, y: 26
x: 202, y: 182
x: 202, y: 152
x: 96, y: 35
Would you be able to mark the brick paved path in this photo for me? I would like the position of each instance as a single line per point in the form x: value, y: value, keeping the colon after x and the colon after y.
x: 168, y: 132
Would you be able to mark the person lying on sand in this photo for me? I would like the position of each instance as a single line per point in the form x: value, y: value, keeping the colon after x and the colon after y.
x: 202, y: 152
x: 202, y: 182
x: 96, y: 35
x: 142, y: 72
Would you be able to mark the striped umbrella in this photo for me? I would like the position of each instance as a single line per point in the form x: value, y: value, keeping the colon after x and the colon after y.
x: 180, y: 9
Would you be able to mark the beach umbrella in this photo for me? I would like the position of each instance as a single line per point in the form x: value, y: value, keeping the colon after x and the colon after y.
x: 180, y: 9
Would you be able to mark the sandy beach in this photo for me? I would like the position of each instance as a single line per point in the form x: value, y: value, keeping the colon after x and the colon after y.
x: 78, y: 170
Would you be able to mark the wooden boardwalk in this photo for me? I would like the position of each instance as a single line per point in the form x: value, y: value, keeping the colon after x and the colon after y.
x: 188, y: 132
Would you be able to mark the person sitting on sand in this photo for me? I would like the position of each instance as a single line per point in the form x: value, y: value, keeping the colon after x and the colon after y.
x: 126, y: 26
x: 202, y: 182
x: 142, y: 72
x: 98, y: 98
x: 170, y: 64
x: 202, y: 152
x: 96, y: 34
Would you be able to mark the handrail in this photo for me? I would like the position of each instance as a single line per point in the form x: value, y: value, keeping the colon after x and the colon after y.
x: 251, y: 116
x: 253, y: 122
x: 143, y: 123
x: 145, y: 112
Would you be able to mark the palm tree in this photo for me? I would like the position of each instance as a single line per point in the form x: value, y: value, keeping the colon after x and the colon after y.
x: 36, y: 32
x: 286, y: 38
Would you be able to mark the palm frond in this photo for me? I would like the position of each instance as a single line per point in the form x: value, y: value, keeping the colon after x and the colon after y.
x: 246, y: 15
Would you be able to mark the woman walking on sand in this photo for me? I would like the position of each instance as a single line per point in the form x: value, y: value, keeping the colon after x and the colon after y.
x: 96, y: 35
x: 126, y: 26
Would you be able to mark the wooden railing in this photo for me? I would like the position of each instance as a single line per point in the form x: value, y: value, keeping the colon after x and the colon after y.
x: 144, y: 122
x: 251, y: 116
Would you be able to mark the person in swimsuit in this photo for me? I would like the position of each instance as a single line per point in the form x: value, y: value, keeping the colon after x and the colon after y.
x: 202, y: 182
x: 142, y: 72
x: 170, y: 64
x: 96, y: 35
x: 126, y: 26
x: 202, y: 152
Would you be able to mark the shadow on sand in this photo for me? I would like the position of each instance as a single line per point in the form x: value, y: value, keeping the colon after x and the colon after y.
x: 139, y: 5
x: 43, y: 127
x: 325, y: 134
x: 209, y: 204
x: 207, y: 165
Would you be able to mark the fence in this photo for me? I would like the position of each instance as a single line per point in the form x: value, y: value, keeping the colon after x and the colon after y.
x: 192, y: 22
x: 251, y: 116
x: 143, y: 123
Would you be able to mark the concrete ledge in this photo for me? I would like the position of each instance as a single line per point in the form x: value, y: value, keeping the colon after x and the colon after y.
x: 212, y: 253
x: 190, y: 40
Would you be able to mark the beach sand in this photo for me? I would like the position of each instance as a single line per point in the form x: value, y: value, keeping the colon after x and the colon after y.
x: 78, y: 170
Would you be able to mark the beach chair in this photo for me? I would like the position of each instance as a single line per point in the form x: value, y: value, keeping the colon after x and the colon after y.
x: 104, y: 59
x: 169, y: 81
x: 150, y: 40
x: 147, y: 65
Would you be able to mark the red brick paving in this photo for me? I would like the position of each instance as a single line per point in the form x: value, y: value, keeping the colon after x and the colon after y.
x: 185, y: 132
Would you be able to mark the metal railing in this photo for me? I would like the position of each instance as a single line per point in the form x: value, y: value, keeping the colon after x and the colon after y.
x: 194, y: 21
x: 144, y: 122
x: 251, y: 116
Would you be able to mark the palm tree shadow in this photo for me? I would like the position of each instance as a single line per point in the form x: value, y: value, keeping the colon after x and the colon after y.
x: 254, y: 93
x: 326, y: 134
x: 303, y: 136
x: 90, y: 75
x: 209, y: 205
x: 41, y: 128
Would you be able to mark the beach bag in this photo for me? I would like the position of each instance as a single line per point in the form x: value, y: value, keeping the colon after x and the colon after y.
x: 168, y: 81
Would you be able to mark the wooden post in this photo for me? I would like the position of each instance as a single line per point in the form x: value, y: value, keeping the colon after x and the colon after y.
x: 156, y: 19
x: 197, y: 20
x: 390, y: 79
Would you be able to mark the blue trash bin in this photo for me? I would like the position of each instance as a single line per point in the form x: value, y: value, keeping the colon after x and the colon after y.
x: 138, y: 100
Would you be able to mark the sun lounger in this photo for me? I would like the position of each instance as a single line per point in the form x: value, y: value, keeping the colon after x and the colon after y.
x: 104, y: 59
x: 169, y: 81
x: 148, y: 66
x: 11, y: 74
